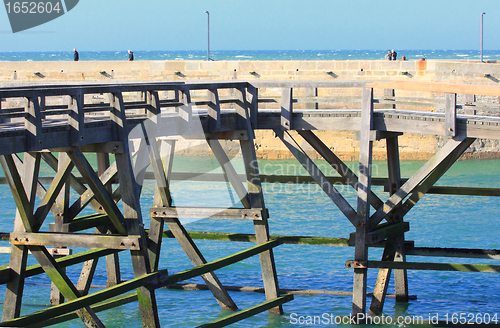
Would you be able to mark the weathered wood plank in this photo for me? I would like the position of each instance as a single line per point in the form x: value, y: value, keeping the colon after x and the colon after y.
x: 286, y: 109
x: 427, y: 266
x: 65, y: 286
x: 228, y: 169
x: 267, y: 264
x: 135, y: 225
x: 349, y: 176
x: 87, y: 240
x: 209, y: 212
x: 318, y: 176
x: 214, y: 119
x: 412, y: 183
x: 194, y: 254
x: 363, y: 202
x: 450, y: 112
x: 251, y: 311
x: 77, y: 120
x: 98, y: 188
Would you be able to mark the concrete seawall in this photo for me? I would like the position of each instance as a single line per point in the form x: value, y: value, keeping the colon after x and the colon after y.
x: 412, y: 146
x: 429, y: 70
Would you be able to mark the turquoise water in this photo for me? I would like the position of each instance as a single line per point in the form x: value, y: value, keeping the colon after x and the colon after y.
x: 438, y: 220
x: 249, y: 55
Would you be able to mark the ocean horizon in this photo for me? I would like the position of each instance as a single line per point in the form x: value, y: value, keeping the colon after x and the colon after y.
x: 119, y: 55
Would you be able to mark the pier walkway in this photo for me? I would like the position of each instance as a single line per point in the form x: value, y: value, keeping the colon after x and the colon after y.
x: 140, y: 124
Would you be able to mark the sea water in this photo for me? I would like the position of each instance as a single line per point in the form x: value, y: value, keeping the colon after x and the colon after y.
x: 303, y: 209
x: 410, y: 54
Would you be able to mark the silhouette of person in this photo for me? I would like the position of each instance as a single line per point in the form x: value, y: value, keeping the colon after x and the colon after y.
x: 76, y: 56
x: 130, y: 56
x: 394, y: 55
x: 388, y: 56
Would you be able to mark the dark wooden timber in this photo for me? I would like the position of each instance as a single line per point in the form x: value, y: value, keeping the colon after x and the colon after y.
x: 58, y: 124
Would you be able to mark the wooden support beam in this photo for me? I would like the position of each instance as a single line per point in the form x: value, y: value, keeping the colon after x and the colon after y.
x: 86, y: 222
x: 214, y: 120
x: 228, y: 169
x: 209, y: 212
x: 98, y: 188
x: 77, y: 119
x: 349, y: 176
x: 33, y: 123
x: 394, y: 173
x: 243, y: 314
x: 78, y: 303
x: 196, y: 257
x: 220, y: 263
x: 311, y: 92
x: 300, y: 240
x: 363, y: 203
x: 433, y: 177
x: 162, y: 169
x: 267, y: 264
x: 454, y: 252
x: 135, y: 226
x: 383, y: 232
x: 318, y: 176
x: 450, y: 114
x: 153, y: 280
x: 426, y: 266
x: 86, y: 240
x: 19, y: 254
x: 286, y: 108
x: 101, y: 306
x: 65, y: 286
x: 411, y: 184
x: 74, y: 182
x: 53, y: 191
x: 253, y: 94
x: 18, y: 192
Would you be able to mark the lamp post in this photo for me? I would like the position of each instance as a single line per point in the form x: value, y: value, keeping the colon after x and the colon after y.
x: 208, y: 35
x: 482, y: 14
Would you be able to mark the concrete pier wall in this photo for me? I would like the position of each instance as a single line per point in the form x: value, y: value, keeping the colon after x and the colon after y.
x: 412, y: 146
x: 429, y: 70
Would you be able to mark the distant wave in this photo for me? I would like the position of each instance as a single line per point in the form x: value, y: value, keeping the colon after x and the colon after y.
x: 319, y: 54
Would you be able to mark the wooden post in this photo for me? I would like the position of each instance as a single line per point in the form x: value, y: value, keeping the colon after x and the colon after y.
x: 33, y: 124
x: 363, y: 210
x: 470, y: 106
x: 395, y: 247
x: 60, y: 209
x: 311, y: 92
x: 450, y: 112
x: 389, y: 95
x: 19, y: 254
x: 214, y: 110
x: 286, y: 108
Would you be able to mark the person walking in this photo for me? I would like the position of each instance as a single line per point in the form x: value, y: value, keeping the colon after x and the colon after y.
x: 388, y: 56
x: 394, y: 55
x: 130, y: 56
x: 76, y: 56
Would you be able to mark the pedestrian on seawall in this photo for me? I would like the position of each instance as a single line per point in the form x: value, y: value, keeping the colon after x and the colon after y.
x: 130, y: 56
x: 76, y: 56
x: 388, y: 56
x: 394, y: 54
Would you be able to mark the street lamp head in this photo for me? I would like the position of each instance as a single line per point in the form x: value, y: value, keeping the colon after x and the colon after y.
x: 206, y: 12
x: 483, y: 14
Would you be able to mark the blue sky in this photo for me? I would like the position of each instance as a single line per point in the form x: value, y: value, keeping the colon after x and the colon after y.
x: 262, y: 25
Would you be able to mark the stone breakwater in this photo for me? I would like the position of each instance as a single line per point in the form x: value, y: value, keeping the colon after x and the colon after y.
x: 345, y: 145
x: 430, y: 70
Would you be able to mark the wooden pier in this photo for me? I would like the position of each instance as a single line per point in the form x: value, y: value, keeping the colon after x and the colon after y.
x: 138, y: 124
